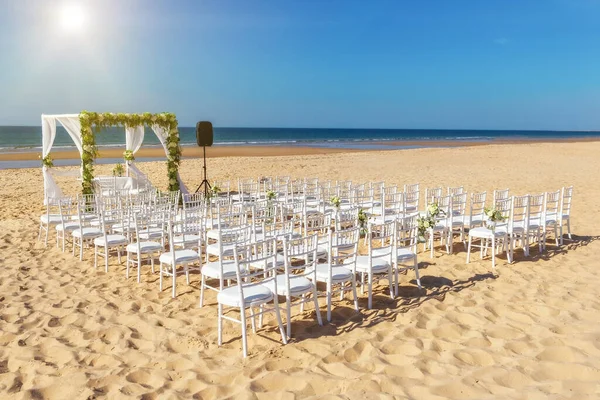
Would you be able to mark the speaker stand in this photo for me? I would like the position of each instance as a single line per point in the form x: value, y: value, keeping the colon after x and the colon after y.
x: 204, y: 184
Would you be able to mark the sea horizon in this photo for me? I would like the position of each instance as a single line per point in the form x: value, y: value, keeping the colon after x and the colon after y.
x: 25, y: 138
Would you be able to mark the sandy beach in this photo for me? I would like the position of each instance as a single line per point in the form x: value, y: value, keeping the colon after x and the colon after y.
x: 530, y: 331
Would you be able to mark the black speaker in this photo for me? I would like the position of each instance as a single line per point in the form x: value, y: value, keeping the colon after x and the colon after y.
x: 204, y: 133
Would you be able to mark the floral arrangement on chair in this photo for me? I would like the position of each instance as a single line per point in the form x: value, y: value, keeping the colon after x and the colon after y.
x: 335, y: 201
x: 47, y: 161
x: 493, y: 216
x: 429, y: 220
x: 363, y: 218
x: 118, y: 170
x: 215, y: 189
x: 128, y: 155
x: 270, y: 195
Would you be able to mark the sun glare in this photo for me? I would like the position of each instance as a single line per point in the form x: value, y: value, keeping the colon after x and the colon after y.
x: 72, y: 18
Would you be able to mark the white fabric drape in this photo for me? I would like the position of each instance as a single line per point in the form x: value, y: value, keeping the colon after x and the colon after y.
x: 134, y: 136
x: 73, y: 128
x: 162, y: 134
x: 48, y: 134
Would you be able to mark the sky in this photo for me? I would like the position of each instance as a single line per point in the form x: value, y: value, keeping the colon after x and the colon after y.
x: 504, y: 64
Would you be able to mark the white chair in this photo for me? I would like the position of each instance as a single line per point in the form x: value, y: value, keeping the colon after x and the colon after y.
x: 68, y: 223
x: 319, y: 224
x: 51, y: 217
x: 535, y: 227
x: 405, y: 241
x: 176, y: 257
x: 85, y: 233
x: 411, y: 198
x: 108, y: 241
x: 443, y: 225
x: 339, y: 272
x: 518, y: 223
x: 298, y: 281
x: 500, y: 194
x: 476, y: 216
x: 346, y: 218
x: 431, y: 194
x: 251, y: 292
x: 499, y: 236
x: 378, y: 262
x: 565, y: 211
x: 551, y: 216
x: 391, y: 207
x: 223, y: 268
x: 456, y: 190
x: 139, y: 248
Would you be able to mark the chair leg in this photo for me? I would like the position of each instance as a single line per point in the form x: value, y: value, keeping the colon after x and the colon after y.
x: 139, y: 268
x: 569, y: 228
x: 469, y: 250
x: 244, y: 331
x: 160, y: 278
x: 202, y: 290
x: 96, y: 256
x: 220, y: 324
x: 391, y: 282
x: 173, y: 280
x: 253, y: 319
x: 417, y: 273
x: 288, y: 304
x: 106, y: 259
x: 370, y: 302
x: 329, y: 302
x: 127, y: 260
x: 317, y: 309
x: 279, y: 322
x: 493, y: 251
x: 354, y: 293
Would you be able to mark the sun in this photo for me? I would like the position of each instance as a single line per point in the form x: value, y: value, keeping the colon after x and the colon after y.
x: 72, y: 18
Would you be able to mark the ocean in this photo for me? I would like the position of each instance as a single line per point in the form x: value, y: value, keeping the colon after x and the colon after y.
x: 29, y: 138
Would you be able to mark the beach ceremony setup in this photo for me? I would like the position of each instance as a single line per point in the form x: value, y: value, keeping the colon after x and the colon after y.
x: 258, y: 239
x: 285, y: 200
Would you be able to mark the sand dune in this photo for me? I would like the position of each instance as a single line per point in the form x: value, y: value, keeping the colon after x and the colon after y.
x: 530, y: 331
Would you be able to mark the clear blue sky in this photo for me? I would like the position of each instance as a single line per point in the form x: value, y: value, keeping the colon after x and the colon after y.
x: 505, y: 64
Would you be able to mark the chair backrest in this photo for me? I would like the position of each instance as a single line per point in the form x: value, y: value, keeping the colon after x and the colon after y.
x: 567, y: 198
x: 407, y: 233
x: 239, y: 236
x: 411, y: 201
x: 300, y: 258
x: 381, y: 237
x: 317, y: 223
x: 444, y: 203
x: 393, y: 203
x: 519, y: 215
x: 432, y: 193
x: 343, y: 249
x: 456, y: 190
x: 536, y: 208
x: 65, y: 206
x: 552, y: 206
x: 501, y: 194
x: 412, y: 188
x: 346, y: 218
x: 247, y: 256
x: 477, y: 207
x: 459, y: 204
x: 506, y: 209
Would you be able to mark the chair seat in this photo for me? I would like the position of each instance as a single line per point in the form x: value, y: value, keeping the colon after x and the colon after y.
x: 67, y: 226
x: 215, y: 234
x: 456, y: 220
x: 339, y: 273
x: 181, y: 257
x: 145, y: 247
x: 483, y: 232
x: 404, y: 254
x: 253, y: 295
x: 213, y: 270
x: 279, y: 262
x: 50, y: 219
x: 121, y: 227
x: 87, y: 232
x: 151, y: 233
x: 379, y: 265
x: 379, y: 219
x: 181, y: 240
x: 382, y: 252
x: 213, y: 250
x: 111, y: 240
x: 298, y: 285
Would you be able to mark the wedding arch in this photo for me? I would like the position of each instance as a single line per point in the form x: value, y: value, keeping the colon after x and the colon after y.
x: 83, y: 127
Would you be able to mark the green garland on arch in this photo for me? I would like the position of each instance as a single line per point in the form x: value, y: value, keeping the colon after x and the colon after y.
x: 92, y: 123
